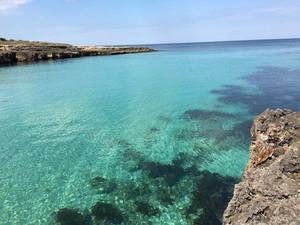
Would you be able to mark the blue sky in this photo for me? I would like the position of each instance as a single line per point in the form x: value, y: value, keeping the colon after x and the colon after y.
x: 148, y: 21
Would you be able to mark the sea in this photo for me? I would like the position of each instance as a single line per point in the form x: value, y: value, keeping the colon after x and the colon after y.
x: 156, y: 138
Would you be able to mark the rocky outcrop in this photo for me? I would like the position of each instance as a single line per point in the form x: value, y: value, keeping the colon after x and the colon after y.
x: 7, y: 57
x: 269, y: 191
x: 12, y: 52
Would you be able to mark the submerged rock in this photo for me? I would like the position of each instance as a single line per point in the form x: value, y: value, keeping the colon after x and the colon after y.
x: 68, y: 216
x: 154, y: 129
x: 203, y: 114
x: 207, y: 218
x: 269, y: 190
x: 164, y: 195
x: 170, y: 172
x: 146, y: 209
x: 107, y: 212
x: 97, y: 181
x: 260, y: 94
x: 212, y: 194
x: 103, y: 185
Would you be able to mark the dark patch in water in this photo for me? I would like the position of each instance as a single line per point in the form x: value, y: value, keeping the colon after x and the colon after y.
x: 186, y: 134
x: 181, y: 159
x: 68, y: 216
x: 239, y: 134
x: 278, y: 87
x: 171, y: 173
x: 142, y: 190
x: 212, y: 194
x: 146, y: 209
x: 202, y: 114
x: 154, y: 129
x: 128, y: 150
x: 130, y: 154
x: 103, y: 185
x: 207, y: 218
x: 107, y: 212
x: 97, y: 181
x: 125, y: 145
x: 215, y: 131
x: 164, y: 194
x: 242, y: 130
x: 162, y: 183
x: 133, y: 190
x: 164, y: 119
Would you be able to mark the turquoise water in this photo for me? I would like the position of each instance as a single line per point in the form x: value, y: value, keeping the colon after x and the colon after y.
x: 160, y: 137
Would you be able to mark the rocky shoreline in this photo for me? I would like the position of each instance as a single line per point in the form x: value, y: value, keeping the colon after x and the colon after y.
x: 269, y: 191
x: 14, y: 52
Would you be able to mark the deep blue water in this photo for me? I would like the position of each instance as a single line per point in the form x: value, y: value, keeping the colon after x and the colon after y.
x: 154, y: 138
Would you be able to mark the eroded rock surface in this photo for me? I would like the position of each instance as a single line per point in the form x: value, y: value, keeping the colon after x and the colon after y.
x: 269, y: 191
x: 12, y: 52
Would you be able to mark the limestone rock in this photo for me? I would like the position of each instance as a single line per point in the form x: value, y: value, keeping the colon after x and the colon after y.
x: 12, y: 52
x: 7, y: 57
x: 269, y: 191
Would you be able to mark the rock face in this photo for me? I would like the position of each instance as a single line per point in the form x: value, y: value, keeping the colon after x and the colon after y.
x: 12, y: 52
x: 269, y: 191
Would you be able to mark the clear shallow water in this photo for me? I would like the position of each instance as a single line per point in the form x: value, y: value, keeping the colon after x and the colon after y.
x: 161, y: 136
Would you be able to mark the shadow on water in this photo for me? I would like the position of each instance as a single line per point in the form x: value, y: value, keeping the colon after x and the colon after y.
x: 277, y: 87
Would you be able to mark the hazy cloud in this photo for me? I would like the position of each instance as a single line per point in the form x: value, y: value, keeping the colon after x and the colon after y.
x: 280, y: 10
x: 263, y: 12
x: 6, y: 5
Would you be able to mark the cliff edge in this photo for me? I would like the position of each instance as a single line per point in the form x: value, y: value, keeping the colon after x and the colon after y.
x: 269, y: 191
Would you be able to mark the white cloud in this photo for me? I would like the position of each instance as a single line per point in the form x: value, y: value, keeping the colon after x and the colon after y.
x: 6, y: 5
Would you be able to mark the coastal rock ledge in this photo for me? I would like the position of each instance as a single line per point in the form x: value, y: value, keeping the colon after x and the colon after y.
x: 13, y: 52
x: 269, y: 191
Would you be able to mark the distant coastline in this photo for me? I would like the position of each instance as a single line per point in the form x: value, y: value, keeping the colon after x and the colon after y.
x: 13, y: 52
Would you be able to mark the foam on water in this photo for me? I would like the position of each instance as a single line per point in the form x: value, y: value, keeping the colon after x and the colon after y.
x: 169, y: 128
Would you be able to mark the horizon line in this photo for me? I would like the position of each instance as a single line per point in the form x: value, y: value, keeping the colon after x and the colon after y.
x: 162, y: 43
x: 216, y: 41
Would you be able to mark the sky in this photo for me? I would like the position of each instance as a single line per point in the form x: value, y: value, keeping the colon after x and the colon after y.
x: 148, y: 21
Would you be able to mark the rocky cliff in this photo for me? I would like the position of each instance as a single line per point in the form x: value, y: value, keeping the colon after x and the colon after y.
x: 269, y: 191
x: 12, y: 52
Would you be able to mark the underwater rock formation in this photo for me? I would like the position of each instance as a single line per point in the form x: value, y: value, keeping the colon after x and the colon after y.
x: 171, y: 173
x: 269, y: 191
x: 259, y: 93
x: 13, y: 52
x: 68, y: 216
x: 202, y: 114
x: 107, y: 212
x: 212, y: 193
x: 103, y: 185
x: 146, y: 209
